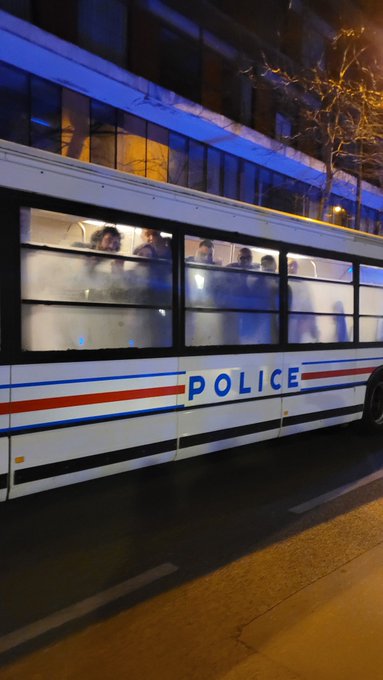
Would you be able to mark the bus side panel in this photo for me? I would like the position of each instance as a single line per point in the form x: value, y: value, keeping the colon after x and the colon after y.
x: 330, y: 390
x: 56, y: 458
x: 75, y: 422
x: 220, y: 427
x: 4, y: 465
x: 5, y: 372
x: 229, y: 401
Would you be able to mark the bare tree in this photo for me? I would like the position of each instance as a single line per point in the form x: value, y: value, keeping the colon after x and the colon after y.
x: 340, y: 101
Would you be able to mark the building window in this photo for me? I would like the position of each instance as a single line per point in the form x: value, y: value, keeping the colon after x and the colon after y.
x: 103, y: 134
x: 283, y: 128
x: 180, y: 65
x: 45, y: 115
x: 196, y: 177
x: 14, y: 105
x: 178, y: 159
x: 248, y: 182
x: 214, y: 170
x: 75, y: 124
x: 102, y: 27
x: 230, y: 176
x: 157, y: 153
x: 131, y: 144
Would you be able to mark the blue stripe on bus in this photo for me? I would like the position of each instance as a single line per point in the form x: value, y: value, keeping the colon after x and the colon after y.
x: 85, y: 380
x: 332, y: 387
x: 340, y: 361
x: 110, y: 416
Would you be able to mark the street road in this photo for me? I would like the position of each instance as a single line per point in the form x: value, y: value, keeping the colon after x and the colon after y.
x: 200, y: 569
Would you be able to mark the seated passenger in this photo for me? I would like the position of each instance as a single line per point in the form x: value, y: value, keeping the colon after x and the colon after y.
x: 107, y: 239
x: 161, y: 245
x: 244, y: 260
x: 204, y: 253
x: 145, y: 250
x: 151, y: 280
x: 268, y: 264
x: 106, y: 280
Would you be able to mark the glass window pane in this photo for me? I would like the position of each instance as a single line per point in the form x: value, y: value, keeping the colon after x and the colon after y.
x: 231, y: 293
x: 305, y: 328
x: 75, y: 125
x: 230, y: 176
x: 131, y: 144
x: 19, y: 8
x: 196, y: 179
x: 157, y: 151
x: 102, y: 26
x: 214, y: 164
x: 370, y: 329
x: 248, y: 179
x: 178, y: 159
x: 103, y: 134
x: 110, y: 285
x: 45, y: 115
x: 14, y: 105
x: 179, y: 63
x: 229, y: 328
x: 371, y: 275
x: 371, y: 300
x: 59, y: 328
x: 319, y: 268
x: 320, y: 296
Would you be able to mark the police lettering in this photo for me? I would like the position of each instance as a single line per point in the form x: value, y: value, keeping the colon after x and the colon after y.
x: 225, y: 384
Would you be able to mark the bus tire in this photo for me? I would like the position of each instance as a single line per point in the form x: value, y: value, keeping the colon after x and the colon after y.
x: 372, y: 418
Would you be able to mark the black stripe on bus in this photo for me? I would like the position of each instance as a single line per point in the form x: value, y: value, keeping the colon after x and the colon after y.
x: 228, y: 433
x: 3, y: 481
x: 65, y: 467
x: 332, y: 413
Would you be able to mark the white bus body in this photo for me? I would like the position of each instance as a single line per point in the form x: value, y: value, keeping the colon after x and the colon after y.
x: 67, y: 421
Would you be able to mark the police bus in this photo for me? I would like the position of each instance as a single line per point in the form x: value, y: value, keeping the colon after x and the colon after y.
x: 143, y: 323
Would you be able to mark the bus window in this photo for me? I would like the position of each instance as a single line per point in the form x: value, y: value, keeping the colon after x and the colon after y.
x: 87, y: 284
x: 231, y: 294
x: 320, y: 299
x: 371, y: 304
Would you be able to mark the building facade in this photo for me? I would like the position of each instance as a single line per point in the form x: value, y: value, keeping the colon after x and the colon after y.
x: 161, y: 89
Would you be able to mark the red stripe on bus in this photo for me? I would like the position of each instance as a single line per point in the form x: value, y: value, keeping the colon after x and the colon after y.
x: 335, y: 374
x: 87, y: 399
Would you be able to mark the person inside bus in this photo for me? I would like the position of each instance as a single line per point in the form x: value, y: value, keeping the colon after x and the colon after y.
x: 244, y: 260
x: 106, y: 278
x: 152, y: 280
x: 268, y: 264
x: 263, y: 290
x: 341, y: 332
x: 237, y: 292
x: 145, y: 250
x: 204, y: 253
x: 107, y: 239
x: 161, y: 245
x: 302, y: 326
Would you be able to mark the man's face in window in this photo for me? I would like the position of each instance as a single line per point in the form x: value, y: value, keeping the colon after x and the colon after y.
x: 204, y: 254
x: 109, y: 243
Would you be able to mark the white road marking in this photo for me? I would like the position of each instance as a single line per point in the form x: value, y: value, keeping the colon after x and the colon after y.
x: 340, y: 491
x: 90, y: 604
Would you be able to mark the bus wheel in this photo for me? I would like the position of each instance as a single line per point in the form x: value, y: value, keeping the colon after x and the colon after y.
x: 373, y: 405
